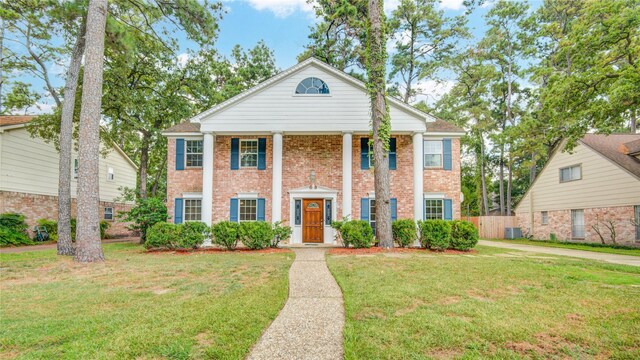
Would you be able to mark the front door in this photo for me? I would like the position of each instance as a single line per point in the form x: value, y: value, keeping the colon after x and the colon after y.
x: 312, y: 221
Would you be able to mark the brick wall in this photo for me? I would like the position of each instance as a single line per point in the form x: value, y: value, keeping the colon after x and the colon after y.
x: 35, y: 207
x: 445, y: 181
x: 179, y: 181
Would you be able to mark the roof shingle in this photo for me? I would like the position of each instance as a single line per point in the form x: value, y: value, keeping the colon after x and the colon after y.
x: 8, y: 120
x: 441, y: 126
x: 183, y: 127
x: 609, y: 147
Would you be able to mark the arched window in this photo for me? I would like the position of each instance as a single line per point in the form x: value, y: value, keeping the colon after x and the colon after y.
x: 312, y: 85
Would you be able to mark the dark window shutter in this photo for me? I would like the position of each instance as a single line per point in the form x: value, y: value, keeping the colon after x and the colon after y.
x: 177, y: 212
x: 446, y: 154
x: 179, y: 154
x: 262, y: 154
x: 448, y: 209
x: 364, y: 209
x: 394, y: 209
x: 298, y: 219
x: 364, y: 153
x: 233, y: 210
x: 327, y: 212
x: 392, y: 154
x: 235, y: 154
x: 260, y: 210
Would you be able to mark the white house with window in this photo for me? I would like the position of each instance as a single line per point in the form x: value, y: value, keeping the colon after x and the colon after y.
x: 296, y: 148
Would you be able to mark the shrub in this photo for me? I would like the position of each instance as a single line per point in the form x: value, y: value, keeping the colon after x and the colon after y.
x: 464, y: 235
x: 226, y: 233
x: 337, y: 225
x: 256, y: 235
x: 357, y: 233
x: 52, y: 228
x: 162, y: 235
x: 192, y: 235
x: 404, y: 232
x: 435, y: 234
x: 280, y: 233
x: 145, y: 214
x: 13, y: 230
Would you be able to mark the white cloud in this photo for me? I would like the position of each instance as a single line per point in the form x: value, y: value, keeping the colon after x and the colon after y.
x: 431, y: 91
x: 452, y: 4
x: 390, y: 5
x: 281, y: 8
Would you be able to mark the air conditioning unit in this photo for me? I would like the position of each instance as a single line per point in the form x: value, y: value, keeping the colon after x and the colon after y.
x: 512, y: 233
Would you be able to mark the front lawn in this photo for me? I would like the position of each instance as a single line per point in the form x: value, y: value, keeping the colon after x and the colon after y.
x: 139, y: 305
x: 495, y: 303
x: 609, y: 249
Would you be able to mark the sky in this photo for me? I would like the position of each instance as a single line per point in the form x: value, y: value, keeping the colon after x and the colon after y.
x: 284, y: 26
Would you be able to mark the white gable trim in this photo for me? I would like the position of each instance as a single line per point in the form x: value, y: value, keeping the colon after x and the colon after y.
x: 284, y: 74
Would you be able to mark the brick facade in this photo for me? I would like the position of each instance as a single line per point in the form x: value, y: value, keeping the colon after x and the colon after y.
x: 35, y: 207
x: 301, y: 154
x: 559, y: 223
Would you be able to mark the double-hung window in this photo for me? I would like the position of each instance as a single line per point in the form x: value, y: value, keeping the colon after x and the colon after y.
x: 372, y: 214
x: 248, y: 210
x: 193, y: 153
x: 108, y: 213
x: 248, y: 153
x: 433, y: 209
x: 545, y: 217
x: 433, y: 153
x: 110, y: 174
x: 577, y: 224
x: 637, y: 222
x: 192, y: 209
x: 570, y: 173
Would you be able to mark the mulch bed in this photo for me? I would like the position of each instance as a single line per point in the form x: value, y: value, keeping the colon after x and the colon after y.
x: 217, y: 251
x: 378, y: 250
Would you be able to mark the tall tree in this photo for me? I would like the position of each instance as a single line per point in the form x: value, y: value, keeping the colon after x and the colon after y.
x: 380, y: 118
x: 88, y: 243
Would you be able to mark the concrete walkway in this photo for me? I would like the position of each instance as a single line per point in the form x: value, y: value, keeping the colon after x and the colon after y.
x: 591, y: 255
x: 310, y: 324
x: 20, y: 249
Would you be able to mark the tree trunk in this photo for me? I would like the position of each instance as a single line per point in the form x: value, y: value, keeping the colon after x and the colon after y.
x: 483, y: 174
x: 509, y: 185
x: 88, y: 244
x: 144, y: 164
x: 65, y: 246
x: 533, y: 170
x: 381, y: 123
x: 1, y: 59
x: 154, y: 189
x: 501, y: 179
x: 634, y: 123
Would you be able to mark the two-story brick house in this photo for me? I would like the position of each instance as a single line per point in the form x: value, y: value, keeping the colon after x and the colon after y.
x: 296, y: 148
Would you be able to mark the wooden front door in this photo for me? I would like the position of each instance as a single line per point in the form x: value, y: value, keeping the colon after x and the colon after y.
x: 312, y: 221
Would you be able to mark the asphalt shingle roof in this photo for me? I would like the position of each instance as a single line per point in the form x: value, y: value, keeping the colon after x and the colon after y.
x: 609, y: 146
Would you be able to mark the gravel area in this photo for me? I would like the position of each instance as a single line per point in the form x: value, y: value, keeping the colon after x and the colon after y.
x: 310, y: 324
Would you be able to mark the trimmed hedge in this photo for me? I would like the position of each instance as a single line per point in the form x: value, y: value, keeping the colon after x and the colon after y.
x: 435, y: 234
x: 164, y: 235
x: 404, y: 232
x: 13, y: 230
x: 256, y: 235
x: 464, y: 235
x: 226, y: 234
x: 356, y: 233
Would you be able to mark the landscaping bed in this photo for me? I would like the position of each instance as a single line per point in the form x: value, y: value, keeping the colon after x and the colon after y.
x: 379, y: 250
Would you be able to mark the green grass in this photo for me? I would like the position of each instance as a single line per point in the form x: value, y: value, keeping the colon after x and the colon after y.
x: 609, y: 249
x: 493, y: 304
x: 138, y: 305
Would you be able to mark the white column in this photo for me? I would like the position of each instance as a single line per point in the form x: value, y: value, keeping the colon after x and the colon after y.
x: 276, y: 183
x: 418, y: 180
x: 347, y: 161
x: 207, y: 180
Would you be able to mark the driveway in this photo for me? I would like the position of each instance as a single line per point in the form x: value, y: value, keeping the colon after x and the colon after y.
x: 591, y: 255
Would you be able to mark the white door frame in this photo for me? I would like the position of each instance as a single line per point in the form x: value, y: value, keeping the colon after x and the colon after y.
x: 307, y: 193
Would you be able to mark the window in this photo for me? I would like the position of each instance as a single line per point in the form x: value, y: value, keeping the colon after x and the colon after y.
x: 571, y: 173
x: 433, y: 209
x: 545, y: 217
x: 248, y: 210
x: 110, y: 174
x: 433, y: 153
x: 637, y: 222
x: 193, y: 153
x: 108, y: 213
x: 248, y: 153
x: 312, y: 85
x: 371, y: 157
x: 192, y: 209
x: 372, y: 214
x: 75, y: 168
x: 577, y: 224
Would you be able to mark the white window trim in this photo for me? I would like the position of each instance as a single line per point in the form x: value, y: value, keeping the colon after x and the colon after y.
x: 247, y: 198
x: 311, y: 95
x: 584, y: 225
x: 113, y: 173
x: 184, y: 208
x: 569, y: 167
x: 542, y: 218
x: 240, y: 154
x: 424, y: 205
x: 424, y: 149
x: 185, y: 154
x: 247, y: 195
x: 104, y: 212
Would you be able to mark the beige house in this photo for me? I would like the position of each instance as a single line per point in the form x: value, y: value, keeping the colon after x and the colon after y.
x: 29, y: 176
x: 585, y: 194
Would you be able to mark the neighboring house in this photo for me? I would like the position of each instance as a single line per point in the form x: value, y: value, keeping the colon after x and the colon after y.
x: 29, y: 176
x: 595, y: 186
x: 296, y: 148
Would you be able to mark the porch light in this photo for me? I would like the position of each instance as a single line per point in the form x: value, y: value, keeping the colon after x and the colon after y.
x: 312, y: 180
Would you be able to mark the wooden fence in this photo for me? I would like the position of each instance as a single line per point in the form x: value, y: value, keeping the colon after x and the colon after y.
x: 492, y: 227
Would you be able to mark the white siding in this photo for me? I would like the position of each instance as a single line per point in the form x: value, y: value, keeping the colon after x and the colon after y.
x: 276, y: 107
x: 603, y: 184
x: 30, y: 165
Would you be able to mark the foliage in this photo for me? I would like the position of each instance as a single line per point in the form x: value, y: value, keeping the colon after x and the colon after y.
x: 226, y: 233
x: 435, y: 234
x: 356, y: 233
x: 144, y: 215
x: 464, y: 235
x: 337, y: 225
x: 162, y: 235
x: 192, y: 234
x: 52, y: 228
x: 404, y: 232
x: 13, y: 230
x: 256, y: 235
x: 280, y: 233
